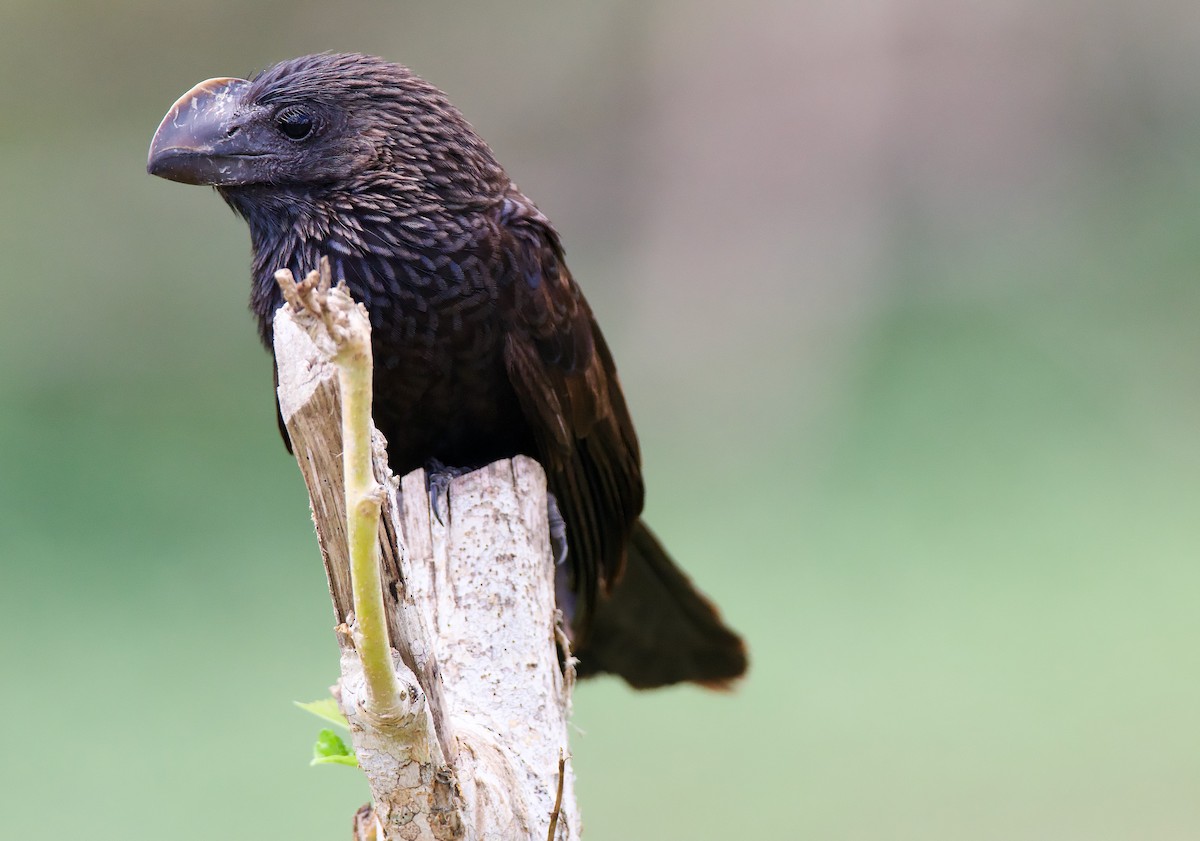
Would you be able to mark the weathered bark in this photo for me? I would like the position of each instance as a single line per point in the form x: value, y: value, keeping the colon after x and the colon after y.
x: 472, y: 748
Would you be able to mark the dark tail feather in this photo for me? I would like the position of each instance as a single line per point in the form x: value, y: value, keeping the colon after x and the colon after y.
x: 655, y: 628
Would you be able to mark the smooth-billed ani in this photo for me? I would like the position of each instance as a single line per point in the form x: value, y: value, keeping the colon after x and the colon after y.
x: 484, y: 346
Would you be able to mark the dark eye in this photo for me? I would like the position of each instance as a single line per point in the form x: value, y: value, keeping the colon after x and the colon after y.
x: 295, y: 123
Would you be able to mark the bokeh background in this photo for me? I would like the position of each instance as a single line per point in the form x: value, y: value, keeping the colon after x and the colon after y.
x: 905, y: 300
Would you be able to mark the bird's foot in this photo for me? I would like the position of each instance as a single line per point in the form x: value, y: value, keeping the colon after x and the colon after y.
x: 558, y: 530
x: 438, y: 477
x: 563, y: 595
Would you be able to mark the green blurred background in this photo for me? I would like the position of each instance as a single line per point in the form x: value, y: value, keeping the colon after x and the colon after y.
x: 904, y: 297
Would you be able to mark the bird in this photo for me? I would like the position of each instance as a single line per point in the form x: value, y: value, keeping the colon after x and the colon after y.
x: 483, y: 343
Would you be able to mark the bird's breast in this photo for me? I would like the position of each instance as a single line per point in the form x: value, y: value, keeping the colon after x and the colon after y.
x: 441, y: 387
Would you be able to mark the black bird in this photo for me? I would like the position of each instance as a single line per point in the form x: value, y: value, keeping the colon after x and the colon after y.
x: 484, y: 346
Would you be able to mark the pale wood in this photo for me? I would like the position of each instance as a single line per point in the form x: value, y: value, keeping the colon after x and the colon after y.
x: 471, y: 615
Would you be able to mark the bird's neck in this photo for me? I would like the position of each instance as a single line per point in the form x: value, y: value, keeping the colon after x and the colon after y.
x: 359, y: 232
x: 282, y: 225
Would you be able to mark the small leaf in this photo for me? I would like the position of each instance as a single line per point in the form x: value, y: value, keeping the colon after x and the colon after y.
x: 326, y: 708
x: 331, y: 750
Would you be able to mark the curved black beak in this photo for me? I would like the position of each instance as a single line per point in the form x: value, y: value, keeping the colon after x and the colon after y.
x: 198, y: 142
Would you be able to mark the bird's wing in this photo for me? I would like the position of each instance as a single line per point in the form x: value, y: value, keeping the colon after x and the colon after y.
x: 567, y: 385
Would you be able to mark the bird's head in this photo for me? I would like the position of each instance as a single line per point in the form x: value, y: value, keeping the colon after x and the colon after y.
x: 326, y: 122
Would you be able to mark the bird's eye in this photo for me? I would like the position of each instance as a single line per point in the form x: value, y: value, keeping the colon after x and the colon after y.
x: 295, y: 124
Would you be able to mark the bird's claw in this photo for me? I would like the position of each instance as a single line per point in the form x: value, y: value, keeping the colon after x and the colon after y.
x: 558, y: 530
x: 438, y: 477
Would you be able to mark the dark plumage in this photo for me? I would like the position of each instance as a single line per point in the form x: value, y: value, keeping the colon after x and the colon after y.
x: 484, y: 346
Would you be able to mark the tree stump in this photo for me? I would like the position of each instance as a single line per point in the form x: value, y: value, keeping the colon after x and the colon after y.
x: 477, y: 745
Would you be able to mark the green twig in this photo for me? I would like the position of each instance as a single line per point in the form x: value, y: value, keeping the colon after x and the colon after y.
x: 347, y: 324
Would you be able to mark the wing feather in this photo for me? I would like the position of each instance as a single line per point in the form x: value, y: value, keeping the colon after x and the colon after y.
x: 566, y: 382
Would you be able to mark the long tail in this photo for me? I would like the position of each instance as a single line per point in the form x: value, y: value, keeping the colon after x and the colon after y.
x: 655, y: 628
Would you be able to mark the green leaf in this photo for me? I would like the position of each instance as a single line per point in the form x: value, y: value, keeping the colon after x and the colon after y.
x: 326, y: 708
x: 331, y: 750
